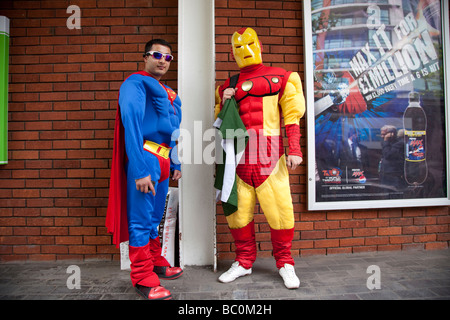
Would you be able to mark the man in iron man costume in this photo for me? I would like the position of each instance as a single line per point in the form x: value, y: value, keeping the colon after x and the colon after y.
x: 265, y: 95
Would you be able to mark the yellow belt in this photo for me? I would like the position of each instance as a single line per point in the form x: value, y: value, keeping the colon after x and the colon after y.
x: 158, y: 149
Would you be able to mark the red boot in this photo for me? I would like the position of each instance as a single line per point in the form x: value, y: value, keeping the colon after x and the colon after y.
x: 162, y: 267
x: 142, y: 274
x: 156, y: 250
x: 282, y: 244
x: 244, y: 240
x: 142, y: 267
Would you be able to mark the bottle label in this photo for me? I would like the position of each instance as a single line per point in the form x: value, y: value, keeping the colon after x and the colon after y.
x: 415, y: 145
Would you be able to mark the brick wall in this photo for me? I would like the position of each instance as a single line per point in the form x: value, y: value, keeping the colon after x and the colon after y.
x: 62, y: 104
x: 63, y: 91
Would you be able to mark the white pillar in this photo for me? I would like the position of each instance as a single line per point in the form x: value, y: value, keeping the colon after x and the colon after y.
x: 196, y: 76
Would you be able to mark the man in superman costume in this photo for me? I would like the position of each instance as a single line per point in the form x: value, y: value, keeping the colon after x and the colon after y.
x: 147, y: 115
x: 265, y: 95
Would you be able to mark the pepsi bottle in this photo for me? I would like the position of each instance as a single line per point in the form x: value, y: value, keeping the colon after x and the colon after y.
x: 432, y: 12
x: 415, y: 125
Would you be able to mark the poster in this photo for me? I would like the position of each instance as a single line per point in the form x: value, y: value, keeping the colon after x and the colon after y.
x: 376, y: 103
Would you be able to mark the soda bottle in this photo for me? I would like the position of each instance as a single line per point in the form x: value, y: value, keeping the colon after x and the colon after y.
x: 415, y: 125
x: 432, y: 12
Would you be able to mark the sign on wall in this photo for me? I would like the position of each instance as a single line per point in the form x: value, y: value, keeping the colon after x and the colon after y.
x: 376, y: 103
x: 4, y: 72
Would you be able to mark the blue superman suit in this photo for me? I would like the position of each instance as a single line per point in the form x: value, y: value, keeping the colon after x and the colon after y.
x: 149, y: 111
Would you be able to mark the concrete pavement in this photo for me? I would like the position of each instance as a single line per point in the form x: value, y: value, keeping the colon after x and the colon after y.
x: 398, y: 274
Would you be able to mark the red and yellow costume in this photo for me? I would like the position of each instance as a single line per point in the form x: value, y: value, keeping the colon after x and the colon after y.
x: 265, y: 96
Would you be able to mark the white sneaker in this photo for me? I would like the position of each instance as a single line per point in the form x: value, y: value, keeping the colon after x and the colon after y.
x: 234, y: 272
x: 291, y: 281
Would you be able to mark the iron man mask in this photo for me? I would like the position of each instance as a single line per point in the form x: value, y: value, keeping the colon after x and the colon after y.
x: 246, y: 47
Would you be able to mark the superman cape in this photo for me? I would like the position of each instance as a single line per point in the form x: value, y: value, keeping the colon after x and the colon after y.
x: 116, y: 215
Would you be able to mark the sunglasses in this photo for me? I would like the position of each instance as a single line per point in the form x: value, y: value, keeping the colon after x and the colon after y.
x: 158, y: 55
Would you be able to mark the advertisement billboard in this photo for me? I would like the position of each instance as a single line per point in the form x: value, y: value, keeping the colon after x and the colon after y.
x: 377, y: 99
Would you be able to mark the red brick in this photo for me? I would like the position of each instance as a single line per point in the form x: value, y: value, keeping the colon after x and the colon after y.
x: 82, y: 250
x: 326, y: 243
x: 389, y: 247
x: 437, y: 228
x: 338, y: 250
x: 30, y: 249
x: 306, y: 235
x: 54, y: 231
x: 82, y: 231
x: 13, y: 221
x: 97, y: 240
x: 400, y: 239
x: 341, y: 233
x: 364, y: 232
x: 436, y: 246
x: 376, y: 241
x: 312, y: 252
x: 371, y: 223
x: 350, y: 242
x: 425, y: 238
x: 319, y: 225
x: 40, y: 222
x: 424, y: 220
x: 389, y: 231
x: 68, y: 221
x: 71, y: 240
x: 413, y: 229
x: 339, y: 215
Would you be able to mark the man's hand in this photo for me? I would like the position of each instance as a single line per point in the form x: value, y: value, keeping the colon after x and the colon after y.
x: 145, y: 185
x: 228, y: 93
x: 176, y: 175
x: 293, y: 162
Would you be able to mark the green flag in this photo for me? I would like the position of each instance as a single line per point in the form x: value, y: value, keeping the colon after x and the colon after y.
x: 4, y: 68
x: 234, y: 140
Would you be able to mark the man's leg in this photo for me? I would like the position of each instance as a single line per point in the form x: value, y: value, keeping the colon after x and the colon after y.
x: 139, y: 210
x: 244, y: 241
x: 162, y: 267
x: 242, y: 229
x: 142, y: 267
x: 282, y: 244
x: 274, y: 196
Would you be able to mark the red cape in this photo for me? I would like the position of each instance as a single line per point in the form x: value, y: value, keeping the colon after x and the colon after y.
x: 116, y: 215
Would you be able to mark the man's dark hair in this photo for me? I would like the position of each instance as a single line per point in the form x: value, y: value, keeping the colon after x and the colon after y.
x: 162, y: 42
